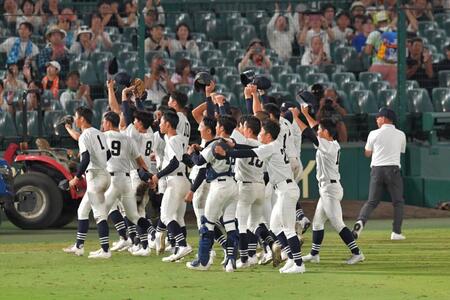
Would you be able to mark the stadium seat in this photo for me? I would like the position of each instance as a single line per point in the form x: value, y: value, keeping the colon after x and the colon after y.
x: 343, y: 55
x: 128, y: 34
x: 329, y: 84
x: 444, y: 78
x: 440, y: 95
x: 55, y: 105
x: 172, y: 20
x: 231, y: 79
x: 208, y: 54
x: 295, y: 61
x: 256, y: 17
x: 303, y: 71
x: 184, y: 88
x: 201, y: 18
x: 32, y: 123
x: 363, y: 101
x: 234, y: 57
x: 419, y: 101
x: 231, y: 23
x: 411, y: 84
x: 441, y: 18
x: 244, y: 34
x: 226, y: 46
x: 378, y: 86
x: 293, y: 88
x: 345, y: 101
x: 368, y: 77
x: 222, y: 72
x: 181, y: 54
x: 51, y: 118
x: 446, y: 105
x: 87, y: 71
x: 276, y: 71
x: 115, y: 38
x: 149, y: 55
x: 388, y: 98
x: 111, y: 30
x: 118, y: 48
x: 341, y: 78
x: 288, y: 78
x: 216, y: 62
x: 331, y: 69
x: 100, y: 105
x: 70, y: 106
x: 276, y: 87
x: 7, y: 126
x: 205, y: 45
x: 228, y: 15
x: 350, y: 86
x: 426, y: 25
x: 198, y: 36
x: 316, y: 78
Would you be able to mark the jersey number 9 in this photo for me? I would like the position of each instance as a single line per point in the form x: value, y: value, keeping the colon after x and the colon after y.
x: 115, y: 148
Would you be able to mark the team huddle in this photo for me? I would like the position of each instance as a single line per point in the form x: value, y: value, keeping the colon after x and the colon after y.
x: 242, y: 181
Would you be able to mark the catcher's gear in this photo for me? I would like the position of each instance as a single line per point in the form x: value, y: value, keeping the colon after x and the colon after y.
x: 223, y: 144
x: 201, y: 80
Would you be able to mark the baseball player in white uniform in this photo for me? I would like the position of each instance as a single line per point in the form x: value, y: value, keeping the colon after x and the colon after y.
x: 221, y: 200
x: 94, y: 154
x: 282, y: 221
x: 173, y: 171
x: 330, y: 189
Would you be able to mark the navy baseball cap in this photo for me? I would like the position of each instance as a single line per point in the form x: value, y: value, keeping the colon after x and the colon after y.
x: 387, y: 113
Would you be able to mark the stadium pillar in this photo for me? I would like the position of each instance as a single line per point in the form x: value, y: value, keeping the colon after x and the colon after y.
x: 402, y: 104
x: 141, y: 39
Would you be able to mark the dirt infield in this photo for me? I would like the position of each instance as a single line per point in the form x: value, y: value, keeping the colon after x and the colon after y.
x: 383, y: 211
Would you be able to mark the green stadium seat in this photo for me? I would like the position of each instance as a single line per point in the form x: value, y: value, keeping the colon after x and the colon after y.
x: 331, y: 69
x: 281, y: 96
x: 231, y: 79
x: 115, y: 38
x: 55, y: 105
x: 345, y: 101
x: 343, y: 55
x: 222, y: 72
x: 111, y: 30
x: 205, y: 45
x: 316, y: 78
x: 243, y: 34
x: 216, y: 62
x: 198, y: 36
x: 440, y: 95
x: 288, y: 78
x: 341, y: 78
x: 426, y: 25
x: 230, y: 14
x: 329, y: 85
x: 128, y: 33
x: 444, y: 78
x: 181, y: 54
x: 446, y: 105
x: 101, y: 56
x: 235, y: 22
x: 276, y: 87
x: 125, y: 56
x: 208, y: 54
x: 441, y: 18
x: 195, y: 99
x: 368, y: 77
x: 411, y: 84
x: 118, y: 48
x: 51, y: 118
x: 226, y: 46
x: 201, y: 18
x: 7, y: 126
x: 184, y: 88
x: 32, y: 123
x: 295, y: 61
x: 293, y: 88
x: 276, y: 71
x: 70, y: 106
x: 100, y: 105
x: 378, y: 86
x: 419, y: 101
x: 363, y: 101
x: 303, y: 71
x: 350, y: 86
x: 173, y: 20
x: 149, y: 55
x: 388, y: 98
x: 196, y: 63
x: 87, y: 71
x: 255, y: 17
x: 221, y: 88
x: 234, y: 57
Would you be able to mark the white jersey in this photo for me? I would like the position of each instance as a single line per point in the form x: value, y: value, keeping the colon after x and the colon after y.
x: 184, y: 128
x: 286, y: 138
x: 94, y: 141
x: 195, y: 169
x: 297, y: 133
x: 174, y: 148
x: 123, y: 152
x: 327, y: 160
x: 158, y: 147
x: 219, y: 166
x: 250, y: 169
x: 144, y: 143
x: 276, y: 160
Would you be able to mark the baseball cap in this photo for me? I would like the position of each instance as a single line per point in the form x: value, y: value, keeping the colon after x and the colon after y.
x: 387, y: 113
x: 357, y: 4
x: 55, y: 64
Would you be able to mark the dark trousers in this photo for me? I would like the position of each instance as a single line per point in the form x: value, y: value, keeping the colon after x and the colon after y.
x: 381, y: 179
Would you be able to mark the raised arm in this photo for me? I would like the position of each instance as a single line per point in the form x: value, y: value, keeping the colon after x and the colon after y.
x: 112, y: 100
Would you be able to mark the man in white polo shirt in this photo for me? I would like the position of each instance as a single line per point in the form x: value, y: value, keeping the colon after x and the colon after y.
x: 385, y: 146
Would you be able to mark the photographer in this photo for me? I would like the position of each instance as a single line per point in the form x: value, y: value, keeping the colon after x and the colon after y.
x: 157, y: 82
x: 255, y: 57
x: 331, y: 107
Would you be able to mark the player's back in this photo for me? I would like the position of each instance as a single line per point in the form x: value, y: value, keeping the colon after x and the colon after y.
x: 277, y: 162
x: 286, y: 138
x: 327, y: 160
x: 174, y: 148
x: 218, y: 166
x: 123, y: 152
x: 94, y: 141
x: 184, y: 128
x: 144, y: 143
x: 250, y: 169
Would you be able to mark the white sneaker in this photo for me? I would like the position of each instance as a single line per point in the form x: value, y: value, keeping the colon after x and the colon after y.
x: 169, y: 248
x: 230, y: 267
x: 295, y: 269
x: 287, y: 265
x: 357, y: 229
x: 196, y: 265
x: 126, y: 246
x: 100, y: 254
x: 170, y: 258
x: 253, y: 260
x: 120, y: 244
x: 242, y: 265
x: 160, y: 242
x: 356, y: 258
x: 142, y: 252
x: 75, y: 250
x: 276, y: 254
x: 397, y: 236
x: 284, y: 256
x: 305, y: 223
x: 95, y: 252
x: 182, y: 252
x: 311, y: 258
x: 134, y: 248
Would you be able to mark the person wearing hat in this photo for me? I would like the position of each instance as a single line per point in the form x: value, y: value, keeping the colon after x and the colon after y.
x: 19, y: 48
x: 156, y: 41
x: 51, y: 80
x: 54, y: 51
x: 255, y: 57
x: 342, y: 31
x: 100, y: 36
x: 385, y: 146
x: 281, y: 32
x: 357, y: 9
x: 84, y: 44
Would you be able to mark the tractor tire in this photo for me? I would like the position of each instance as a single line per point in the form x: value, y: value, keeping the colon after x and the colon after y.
x: 68, y: 213
x: 37, y: 203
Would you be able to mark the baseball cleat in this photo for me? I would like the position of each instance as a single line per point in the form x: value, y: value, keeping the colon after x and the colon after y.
x: 397, y: 236
x: 196, y: 265
x: 142, y: 252
x: 253, y: 260
x: 357, y: 229
x: 295, y: 269
x: 75, y: 250
x: 182, y: 252
x: 355, y: 258
x: 305, y: 223
x: 289, y: 263
x: 100, y: 254
x: 230, y: 265
x: 311, y: 258
x: 134, y: 248
x: 242, y: 265
x: 276, y: 254
x: 170, y: 258
x: 121, y: 244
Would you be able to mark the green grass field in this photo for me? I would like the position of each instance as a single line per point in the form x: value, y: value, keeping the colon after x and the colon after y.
x: 34, y: 267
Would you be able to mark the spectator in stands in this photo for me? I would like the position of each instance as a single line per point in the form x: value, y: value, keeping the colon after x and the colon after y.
x: 316, y: 25
x: 19, y: 48
x: 357, y: 24
x: 50, y: 10
x: 84, y: 45
x: 281, y: 32
x: 29, y: 16
x: 154, y: 13
x: 33, y: 96
x: 3, y: 104
x: 157, y: 82
x: 329, y: 13
x: 359, y: 40
x: 357, y: 9
x: 342, y: 31
x: 382, y: 46
x: 255, y: 57
x: 444, y: 64
x: 67, y: 21
x: 183, y: 73
x: 315, y: 55
x: 54, y: 51
x: 76, y: 91
x: 109, y: 13
x: 131, y: 19
x: 52, y: 80
x: 156, y: 41
x: 419, y: 65
x: 331, y: 107
x: 299, y: 17
x: 420, y: 10
x: 100, y: 36
x: 11, y: 12
x: 12, y: 86
x: 183, y: 41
